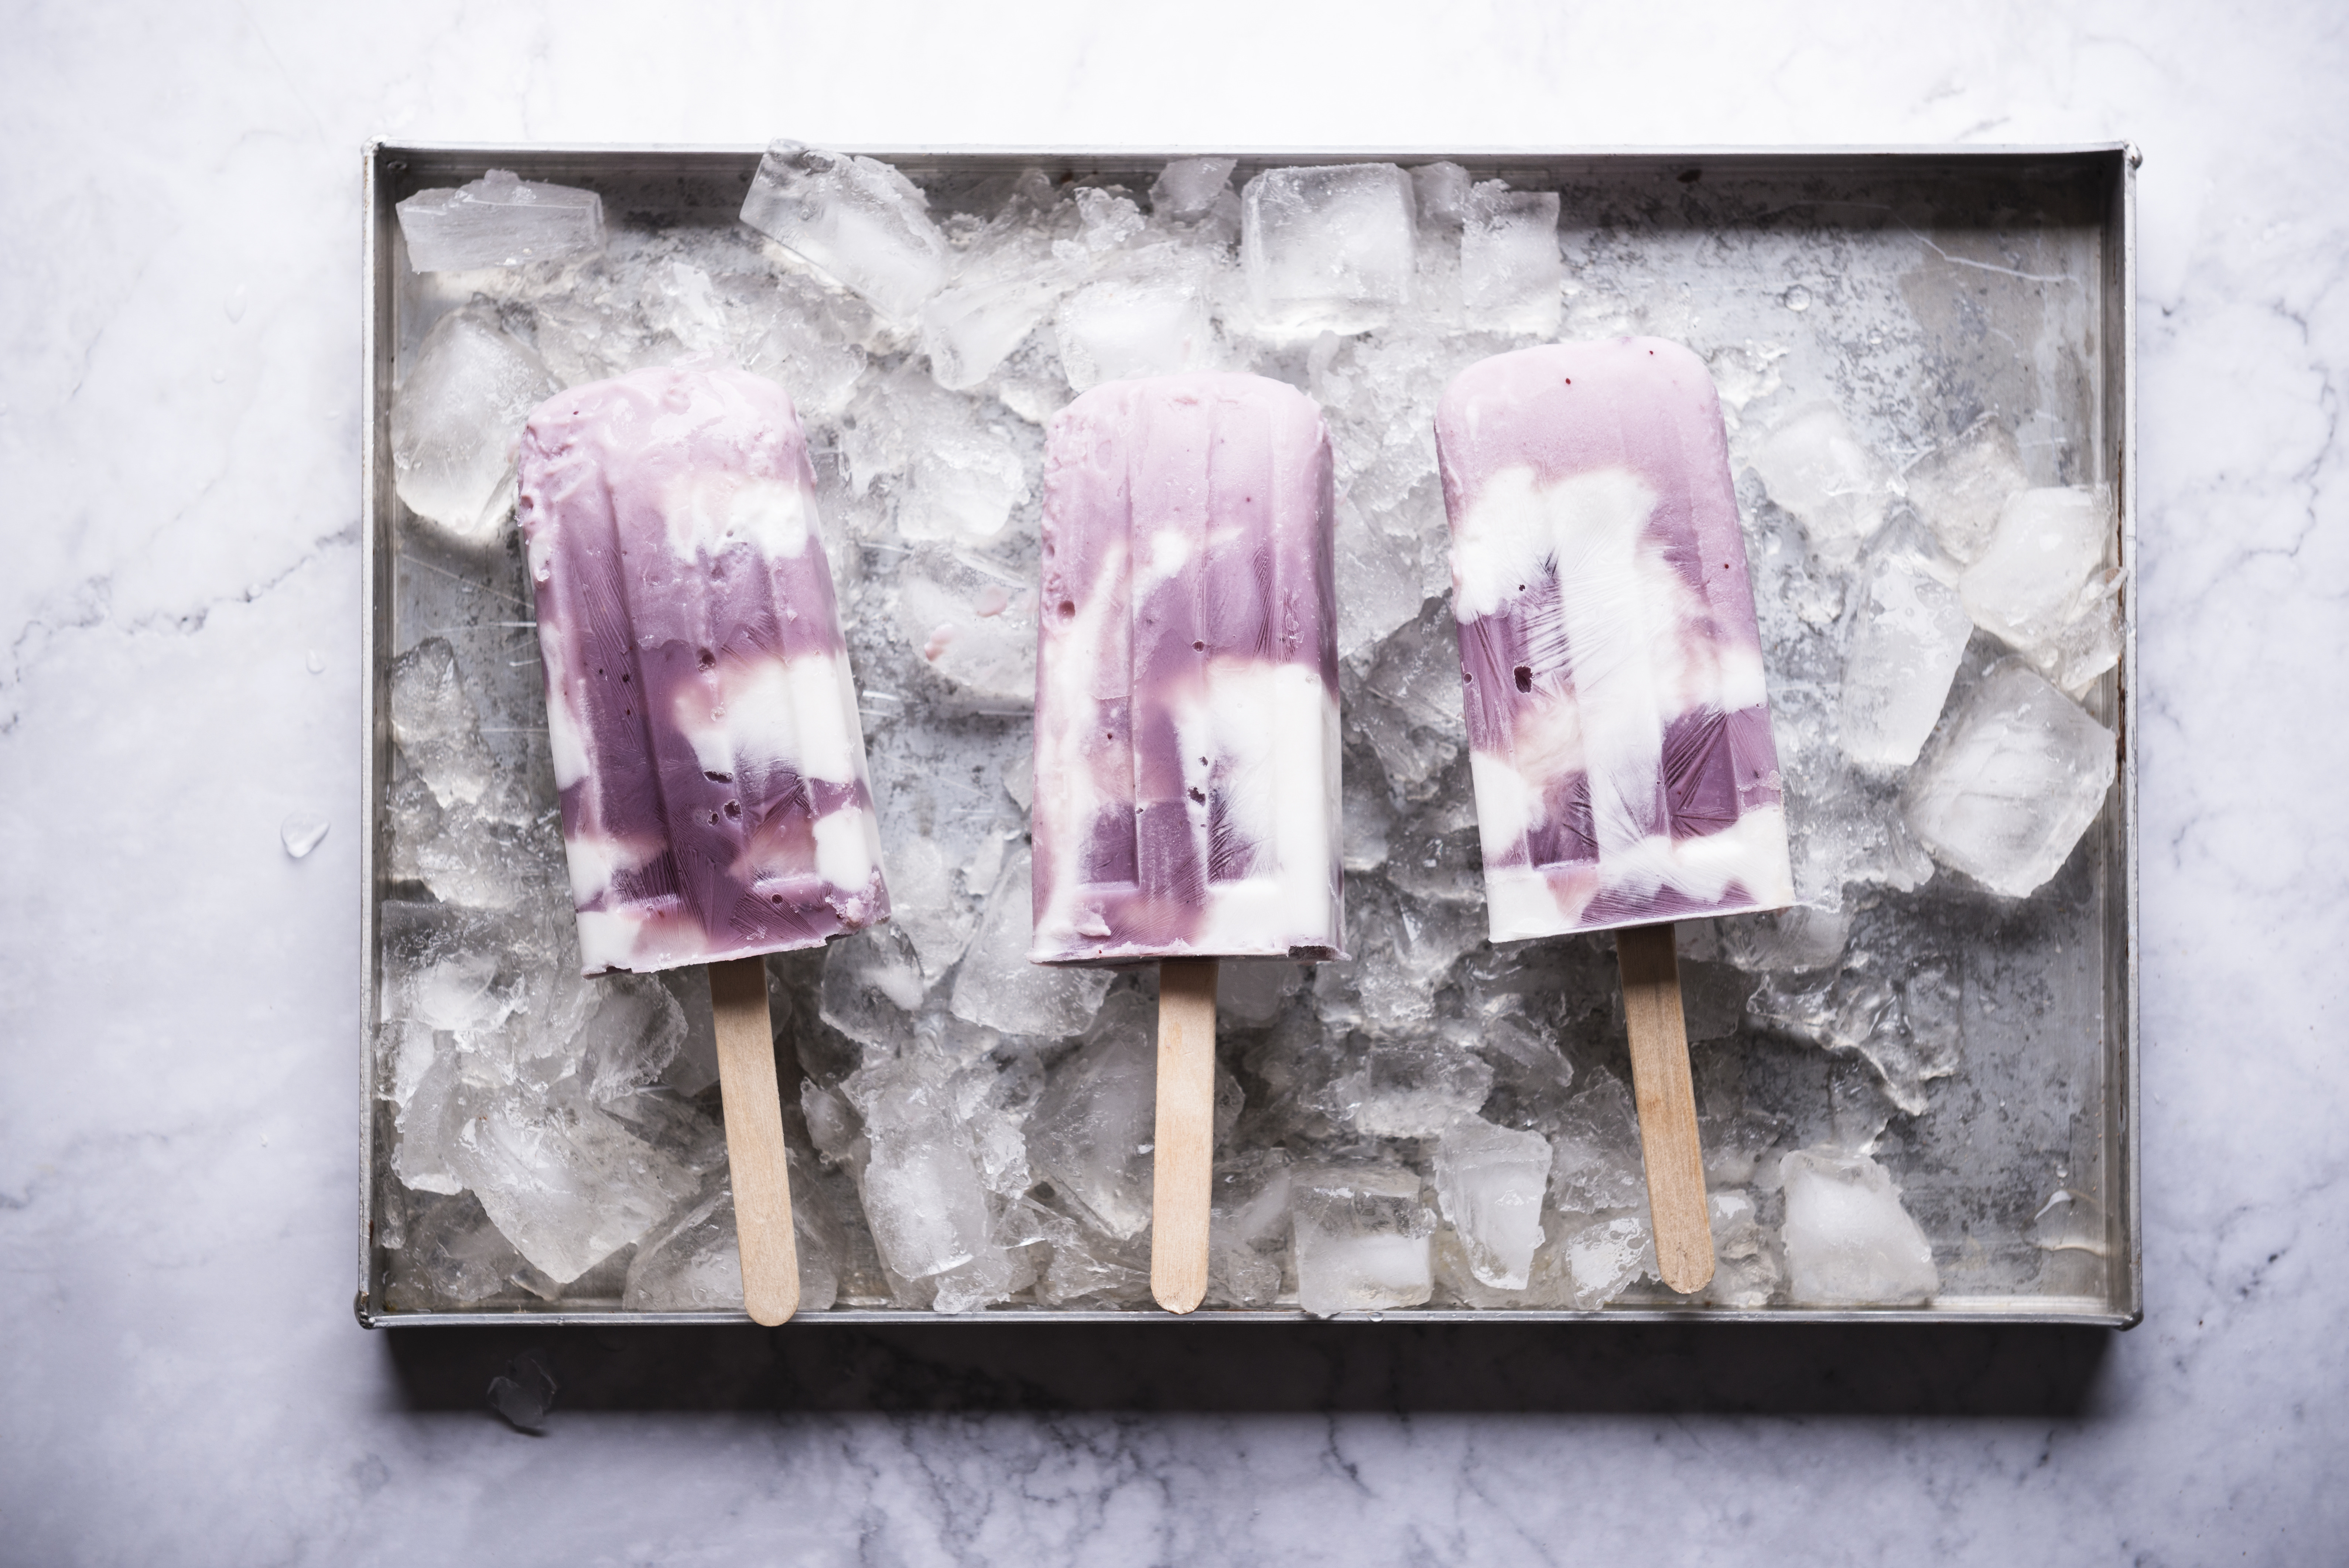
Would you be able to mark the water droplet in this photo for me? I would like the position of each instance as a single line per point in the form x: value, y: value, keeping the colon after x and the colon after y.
x: 1797, y: 298
x: 314, y: 662
x: 301, y: 831
x: 235, y: 304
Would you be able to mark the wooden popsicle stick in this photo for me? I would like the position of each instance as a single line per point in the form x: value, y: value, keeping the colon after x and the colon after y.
x: 1667, y: 1099
x: 754, y: 1140
x: 1182, y: 1161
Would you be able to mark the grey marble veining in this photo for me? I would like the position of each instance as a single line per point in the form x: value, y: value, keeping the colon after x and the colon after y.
x: 180, y: 1379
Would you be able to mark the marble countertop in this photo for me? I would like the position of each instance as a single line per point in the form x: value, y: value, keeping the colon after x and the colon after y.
x: 183, y: 1381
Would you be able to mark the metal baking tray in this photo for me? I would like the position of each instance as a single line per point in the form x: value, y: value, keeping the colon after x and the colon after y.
x: 2085, y: 193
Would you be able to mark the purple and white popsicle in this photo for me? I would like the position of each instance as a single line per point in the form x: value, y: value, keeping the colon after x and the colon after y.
x: 1618, y: 723
x: 699, y: 704
x: 1186, y: 682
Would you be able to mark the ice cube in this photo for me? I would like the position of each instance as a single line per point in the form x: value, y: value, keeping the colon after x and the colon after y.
x: 1251, y: 991
x: 437, y: 727
x: 1378, y: 582
x: 1091, y: 1133
x: 1815, y: 467
x: 874, y: 982
x: 1248, y: 1228
x: 856, y: 220
x: 1009, y: 282
x: 524, y: 1393
x: 1961, y: 489
x: 923, y: 1192
x: 974, y: 624
x: 1149, y: 318
x: 2010, y: 783
x: 1802, y: 938
x: 1401, y: 950
x: 1848, y: 1239
x: 451, y: 1256
x: 1906, y: 643
x: 1328, y: 249
x: 1368, y: 818
x: 1085, y: 1268
x: 499, y: 220
x: 1410, y: 707
x: 455, y: 420
x: 1745, y: 1270
x: 1361, y: 1239
x: 1409, y: 1088
x: 1510, y: 267
x: 1443, y: 191
x: 1489, y: 1181
x: 2038, y: 576
x: 998, y: 987
x: 1596, y: 1151
x: 695, y: 1262
x: 965, y: 473
x: 1187, y: 187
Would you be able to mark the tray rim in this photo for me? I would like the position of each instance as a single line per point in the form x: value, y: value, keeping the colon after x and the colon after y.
x: 2122, y: 1306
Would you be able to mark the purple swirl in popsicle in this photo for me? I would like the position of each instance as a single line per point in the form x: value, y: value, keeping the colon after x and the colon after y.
x: 1186, y: 683
x: 1617, y: 719
x: 699, y: 704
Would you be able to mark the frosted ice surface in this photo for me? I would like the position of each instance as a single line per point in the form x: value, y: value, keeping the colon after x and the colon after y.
x: 2010, y: 783
x: 1151, y: 317
x: 1248, y: 1228
x: 1489, y: 1181
x: 500, y: 220
x: 973, y: 623
x: 1816, y: 467
x: 455, y: 420
x: 1361, y: 1239
x: 1848, y: 1239
x: 1001, y: 293
x: 436, y: 725
x: 1510, y: 267
x: 1378, y: 583
x: 1090, y: 1132
x: 1328, y: 249
x: 1596, y: 1143
x: 1604, y: 1254
x: 1251, y: 991
x: 1409, y: 1088
x: 856, y: 220
x: 2036, y: 585
x: 998, y: 987
x: 1443, y: 191
x: 1746, y: 1272
x: 1187, y: 187
x: 1909, y: 636
x: 1961, y: 489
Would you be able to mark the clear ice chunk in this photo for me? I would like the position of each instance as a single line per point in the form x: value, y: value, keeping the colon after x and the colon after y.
x: 1009, y: 283
x: 1961, y: 489
x: 973, y: 623
x: 1328, y: 249
x: 1510, y: 267
x: 1361, y: 1239
x: 2036, y: 585
x: 1151, y: 317
x: 500, y: 220
x: 1091, y: 1133
x: 1906, y: 642
x: 437, y: 727
x: 1443, y: 193
x: 1489, y: 1182
x: 1187, y: 187
x: 1249, y: 1229
x: 1815, y: 466
x: 2010, y: 783
x: 455, y: 420
x: 1596, y: 1143
x: 1378, y: 582
x: 998, y: 987
x: 524, y: 1392
x: 856, y: 220
x: 1848, y: 1239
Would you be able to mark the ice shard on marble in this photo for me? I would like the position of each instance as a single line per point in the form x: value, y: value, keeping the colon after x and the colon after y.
x: 699, y: 703
x: 1187, y: 712
x: 1617, y: 719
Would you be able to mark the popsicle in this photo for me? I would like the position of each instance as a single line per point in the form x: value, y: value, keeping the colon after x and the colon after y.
x: 1617, y: 719
x: 702, y: 720
x: 1187, y: 724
